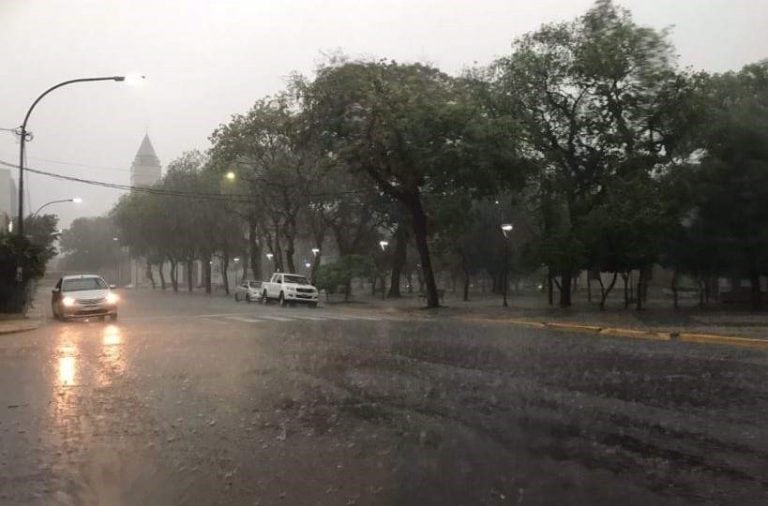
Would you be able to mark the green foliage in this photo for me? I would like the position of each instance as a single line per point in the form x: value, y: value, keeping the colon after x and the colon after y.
x: 15, y: 252
x: 331, y: 276
x: 42, y: 231
x: 89, y: 245
x: 603, y: 108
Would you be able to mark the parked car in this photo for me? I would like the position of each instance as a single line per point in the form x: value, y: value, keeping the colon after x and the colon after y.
x: 288, y: 289
x: 248, y: 291
x: 83, y: 296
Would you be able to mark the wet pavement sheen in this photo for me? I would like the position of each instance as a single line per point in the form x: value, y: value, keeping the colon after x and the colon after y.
x: 196, y: 400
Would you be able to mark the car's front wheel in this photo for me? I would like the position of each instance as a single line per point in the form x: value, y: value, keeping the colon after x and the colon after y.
x: 264, y: 298
x: 282, y: 300
x: 248, y: 298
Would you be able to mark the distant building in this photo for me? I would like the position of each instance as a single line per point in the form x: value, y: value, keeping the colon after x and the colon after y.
x: 145, y: 170
x: 8, y: 202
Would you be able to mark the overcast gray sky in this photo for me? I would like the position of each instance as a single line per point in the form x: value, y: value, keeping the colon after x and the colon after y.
x: 207, y: 60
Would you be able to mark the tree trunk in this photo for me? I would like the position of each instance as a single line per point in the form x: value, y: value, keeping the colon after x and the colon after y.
x: 756, y: 295
x: 605, y: 291
x: 675, y: 299
x: 399, y: 257
x: 410, y: 281
x: 254, y: 251
x: 421, y: 234
x: 465, y: 271
x: 566, y: 278
x: 641, y: 280
x: 174, y: 276
x: 589, y: 286
x: 150, y: 275
x: 161, y: 269
x: 550, y: 288
x: 190, y: 283
x: 625, y: 278
x: 224, y: 273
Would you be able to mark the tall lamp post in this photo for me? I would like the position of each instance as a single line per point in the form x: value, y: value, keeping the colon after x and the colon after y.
x: 27, y: 136
x: 506, y: 229
x: 383, y: 245
x: 76, y: 200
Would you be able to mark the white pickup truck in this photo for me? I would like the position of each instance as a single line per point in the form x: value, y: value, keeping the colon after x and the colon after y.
x: 289, y: 289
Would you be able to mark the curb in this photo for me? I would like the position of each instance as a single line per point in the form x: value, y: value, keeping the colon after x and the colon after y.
x: 21, y: 328
x: 651, y: 335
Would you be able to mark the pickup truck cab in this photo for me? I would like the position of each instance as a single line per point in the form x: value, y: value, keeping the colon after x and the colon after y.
x: 289, y: 289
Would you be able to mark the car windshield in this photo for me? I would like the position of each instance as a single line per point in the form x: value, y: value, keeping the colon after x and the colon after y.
x: 300, y: 280
x: 79, y: 284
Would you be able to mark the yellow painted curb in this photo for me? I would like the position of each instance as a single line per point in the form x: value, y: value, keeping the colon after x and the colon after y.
x: 635, y: 334
x: 632, y: 333
x: 718, y: 339
x: 573, y: 326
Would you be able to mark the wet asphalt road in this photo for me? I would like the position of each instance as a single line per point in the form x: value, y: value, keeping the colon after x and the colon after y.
x: 191, y: 400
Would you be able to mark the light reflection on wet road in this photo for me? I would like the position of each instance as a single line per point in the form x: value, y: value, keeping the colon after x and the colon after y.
x: 190, y: 400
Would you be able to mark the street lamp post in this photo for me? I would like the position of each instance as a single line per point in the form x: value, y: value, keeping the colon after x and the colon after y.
x: 313, y: 272
x: 506, y: 229
x: 24, y: 136
x: 76, y: 200
x: 383, y: 245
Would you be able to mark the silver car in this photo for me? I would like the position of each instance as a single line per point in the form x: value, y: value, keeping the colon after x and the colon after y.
x: 83, y: 296
x: 249, y: 291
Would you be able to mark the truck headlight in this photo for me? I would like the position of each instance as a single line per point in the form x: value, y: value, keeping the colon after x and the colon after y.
x: 68, y: 301
x: 112, y: 298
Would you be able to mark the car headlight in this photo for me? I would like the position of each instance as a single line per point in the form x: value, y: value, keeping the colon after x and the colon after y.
x: 68, y: 301
x: 112, y: 298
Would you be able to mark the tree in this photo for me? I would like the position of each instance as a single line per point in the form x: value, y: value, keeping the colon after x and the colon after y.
x: 332, y: 276
x: 89, y: 245
x: 731, y: 180
x: 42, y: 231
x: 410, y: 129
x: 17, y: 252
x: 600, y: 101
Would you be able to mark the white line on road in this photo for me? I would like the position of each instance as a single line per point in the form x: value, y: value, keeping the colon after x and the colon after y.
x: 276, y: 318
x: 244, y: 319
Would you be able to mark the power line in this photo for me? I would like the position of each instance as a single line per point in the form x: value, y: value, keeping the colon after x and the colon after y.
x: 226, y: 197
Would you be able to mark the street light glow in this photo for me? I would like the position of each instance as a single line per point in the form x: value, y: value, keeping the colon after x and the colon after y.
x: 77, y: 200
x: 230, y: 175
x: 383, y: 245
x: 270, y: 256
x: 506, y: 228
x: 236, y: 259
x: 315, y: 251
x: 307, y: 265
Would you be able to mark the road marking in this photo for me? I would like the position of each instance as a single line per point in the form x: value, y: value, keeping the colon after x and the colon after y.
x: 276, y: 318
x: 244, y: 319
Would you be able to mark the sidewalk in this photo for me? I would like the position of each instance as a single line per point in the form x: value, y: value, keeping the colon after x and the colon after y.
x: 13, y: 323
x: 710, y: 325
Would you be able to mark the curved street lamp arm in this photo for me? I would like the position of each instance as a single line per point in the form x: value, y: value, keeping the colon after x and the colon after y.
x: 65, y: 83
x: 23, y: 139
x: 49, y: 203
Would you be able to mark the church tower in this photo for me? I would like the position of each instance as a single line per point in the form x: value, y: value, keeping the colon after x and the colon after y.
x: 145, y: 170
